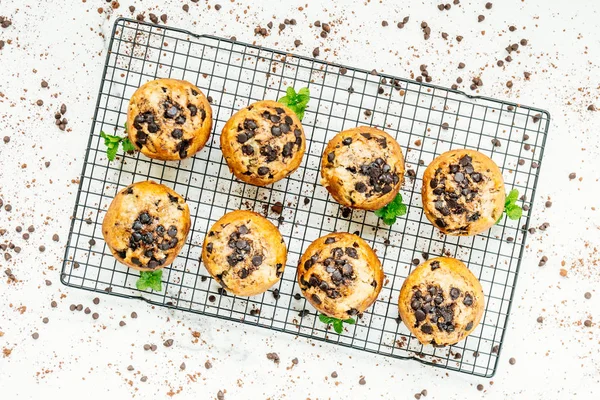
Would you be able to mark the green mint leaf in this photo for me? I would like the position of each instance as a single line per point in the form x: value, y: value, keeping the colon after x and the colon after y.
x: 150, y: 280
x: 393, y: 210
x: 338, y: 326
x: 127, y: 145
x: 324, y: 318
x: 296, y: 102
x: 512, y: 210
x: 112, y: 144
x: 125, y: 126
x: 512, y: 196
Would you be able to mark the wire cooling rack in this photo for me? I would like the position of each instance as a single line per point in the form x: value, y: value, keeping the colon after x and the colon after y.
x: 425, y: 119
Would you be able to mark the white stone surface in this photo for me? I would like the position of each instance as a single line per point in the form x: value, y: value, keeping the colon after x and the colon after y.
x: 64, y: 42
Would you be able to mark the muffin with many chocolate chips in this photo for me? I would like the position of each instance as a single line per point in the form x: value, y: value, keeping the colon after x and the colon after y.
x: 263, y: 143
x: 340, y: 275
x: 244, y: 252
x: 169, y: 119
x: 363, y: 168
x: 463, y: 192
x: 146, y: 225
x: 441, y: 301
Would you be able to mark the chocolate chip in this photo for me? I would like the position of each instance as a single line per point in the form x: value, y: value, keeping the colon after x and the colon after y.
x: 360, y: 187
x: 427, y: 329
x: 316, y: 298
x: 347, y: 141
x: 488, y: 6
x: 420, y: 315
x: 315, y: 52
x: 263, y: 171
x: 177, y: 133
x: 454, y: 293
x: 468, y: 300
x: 512, y: 361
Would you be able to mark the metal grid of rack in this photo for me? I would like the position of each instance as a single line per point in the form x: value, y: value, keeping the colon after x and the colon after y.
x: 425, y: 119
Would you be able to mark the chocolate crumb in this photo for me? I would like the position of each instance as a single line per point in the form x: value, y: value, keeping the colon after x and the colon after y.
x: 512, y: 361
x: 362, y: 381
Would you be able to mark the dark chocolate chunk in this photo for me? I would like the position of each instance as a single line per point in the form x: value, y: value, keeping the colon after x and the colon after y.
x: 171, y: 111
x: 242, y: 138
x: 257, y: 260
x: 177, y: 133
x: 360, y: 187
x: 145, y: 218
x: 468, y: 300
x: 141, y: 137
x: 263, y: 171
x: 427, y: 329
x: 288, y: 149
x: 250, y: 124
x: 316, y: 299
x: 420, y: 315
x: 454, y: 293
x: 351, y: 252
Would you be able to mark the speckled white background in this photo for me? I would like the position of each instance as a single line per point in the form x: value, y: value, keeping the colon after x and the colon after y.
x: 64, y: 42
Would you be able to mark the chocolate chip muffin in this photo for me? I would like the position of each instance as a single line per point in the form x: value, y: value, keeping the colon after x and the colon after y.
x: 244, y: 252
x: 363, y: 168
x: 441, y: 301
x: 169, y: 119
x: 146, y: 225
x: 263, y: 143
x: 463, y: 192
x: 340, y: 275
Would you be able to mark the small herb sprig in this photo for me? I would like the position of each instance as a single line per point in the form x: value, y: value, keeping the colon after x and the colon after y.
x: 393, y: 210
x: 112, y: 144
x: 296, y: 102
x: 512, y: 210
x: 150, y: 280
x: 338, y: 324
